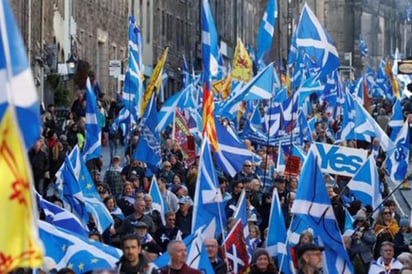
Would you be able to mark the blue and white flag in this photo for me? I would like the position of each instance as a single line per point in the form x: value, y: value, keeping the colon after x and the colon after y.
x: 148, y: 148
x: 76, y: 252
x: 61, y: 217
x: 398, y: 159
x: 94, y: 204
x: 93, y: 140
x: 266, y: 30
x: 368, y: 127
x: 231, y: 153
x: 276, y: 242
x: 365, y: 184
x: 210, y: 48
x: 157, y: 199
x: 312, y: 203
x: 133, y: 86
x: 396, y: 121
x: 70, y: 192
x: 207, y: 207
x: 314, y: 40
x: 296, y: 228
x: 281, y: 163
x: 16, y: 84
x: 363, y: 48
x: 182, y: 99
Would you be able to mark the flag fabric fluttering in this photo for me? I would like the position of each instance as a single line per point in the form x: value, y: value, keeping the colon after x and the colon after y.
x: 235, y: 249
x: 313, y: 205
x: 396, y: 121
x: 76, y: 252
x: 365, y: 184
x: 17, y: 85
x: 314, y: 40
x: 133, y: 83
x: 242, y: 69
x: 210, y: 49
x: 155, y: 81
x: 19, y: 242
x: 207, y: 206
x: 363, y: 48
x: 148, y: 147
x: 61, y: 217
x: 157, y: 199
x: 266, y: 30
x: 276, y: 242
x: 240, y: 213
x: 93, y: 139
x: 398, y: 159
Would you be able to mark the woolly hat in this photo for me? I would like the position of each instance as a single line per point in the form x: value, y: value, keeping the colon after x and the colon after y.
x: 258, y: 252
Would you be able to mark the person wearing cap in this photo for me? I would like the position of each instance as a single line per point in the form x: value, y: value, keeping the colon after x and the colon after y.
x: 310, y: 259
x: 150, y: 249
x: 177, y: 251
x: 112, y: 177
x: 184, y: 216
x: 386, y: 263
x: 132, y: 260
x: 261, y: 263
x: 403, y: 239
x: 363, y: 239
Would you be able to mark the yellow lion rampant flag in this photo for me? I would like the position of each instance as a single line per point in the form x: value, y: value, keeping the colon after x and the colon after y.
x: 242, y: 64
x: 19, y: 242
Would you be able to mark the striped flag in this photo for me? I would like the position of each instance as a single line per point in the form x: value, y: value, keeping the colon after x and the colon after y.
x: 93, y: 144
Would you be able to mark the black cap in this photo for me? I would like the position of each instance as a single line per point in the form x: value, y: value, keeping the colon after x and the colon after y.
x: 308, y: 247
x: 139, y: 224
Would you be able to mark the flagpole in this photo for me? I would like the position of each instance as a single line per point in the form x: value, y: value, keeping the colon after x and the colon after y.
x: 286, y: 243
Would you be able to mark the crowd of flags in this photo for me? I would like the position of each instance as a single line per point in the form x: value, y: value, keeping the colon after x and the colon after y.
x: 276, y: 109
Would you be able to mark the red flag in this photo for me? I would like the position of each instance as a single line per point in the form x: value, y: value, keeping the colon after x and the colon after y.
x: 235, y: 250
x: 208, y: 119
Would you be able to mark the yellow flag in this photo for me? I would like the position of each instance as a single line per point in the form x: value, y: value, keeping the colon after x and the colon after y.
x: 242, y: 64
x: 155, y: 80
x: 19, y: 242
x: 223, y: 87
x: 394, y: 83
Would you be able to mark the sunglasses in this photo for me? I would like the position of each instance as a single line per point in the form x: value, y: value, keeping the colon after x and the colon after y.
x: 386, y: 213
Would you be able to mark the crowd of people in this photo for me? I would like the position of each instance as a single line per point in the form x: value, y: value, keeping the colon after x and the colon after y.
x: 380, y: 245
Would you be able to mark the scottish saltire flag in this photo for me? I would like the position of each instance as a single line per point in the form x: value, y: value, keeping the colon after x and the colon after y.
x: 207, y: 207
x: 266, y: 30
x: 235, y: 249
x: 61, y: 217
x: 398, y: 159
x: 276, y: 242
x: 305, y: 132
x: 70, y: 192
x: 210, y: 48
x: 148, y: 147
x: 312, y: 203
x: 273, y: 119
x: 289, y: 112
x: 157, y: 199
x: 256, y: 119
x: 182, y: 99
x: 296, y: 228
x: 232, y: 153
x: 260, y: 87
x: 93, y: 139
x: 363, y: 48
x: 76, y: 252
x: 16, y: 79
x: 315, y: 41
x: 310, y: 86
x: 365, y: 184
x: 281, y: 163
x: 240, y: 213
x: 396, y: 121
x: 348, y: 222
x: 93, y: 202
x: 133, y: 86
x: 365, y: 125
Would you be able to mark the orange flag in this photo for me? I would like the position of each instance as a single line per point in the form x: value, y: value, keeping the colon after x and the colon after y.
x: 19, y: 242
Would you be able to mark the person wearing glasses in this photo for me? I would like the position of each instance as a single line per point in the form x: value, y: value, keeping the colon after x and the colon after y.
x: 385, y: 229
x: 168, y: 232
x: 246, y: 172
